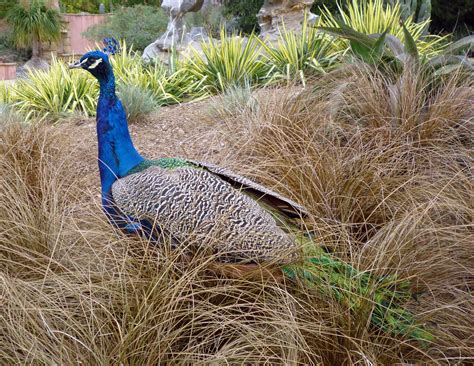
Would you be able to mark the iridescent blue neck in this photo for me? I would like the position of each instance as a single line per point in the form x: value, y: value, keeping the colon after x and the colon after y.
x: 117, y: 155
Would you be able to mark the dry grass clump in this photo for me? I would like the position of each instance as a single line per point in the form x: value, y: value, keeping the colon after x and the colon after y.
x: 75, y: 291
x: 389, y: 189
x: 385, y: 165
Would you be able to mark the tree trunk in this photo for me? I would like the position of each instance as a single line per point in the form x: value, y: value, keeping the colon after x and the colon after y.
x: 36, y: 47
x: 36, y: 62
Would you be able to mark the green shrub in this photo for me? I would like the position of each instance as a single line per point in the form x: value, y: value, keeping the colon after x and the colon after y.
x: 245, y: 11
x: 137, y: 101
x: 92, y: 6
x: 5, y: 93
x: 139, y: 26
x: 395, y: 58
x: 234, y: 101
x: 225, y: 62
x: 5, y: 6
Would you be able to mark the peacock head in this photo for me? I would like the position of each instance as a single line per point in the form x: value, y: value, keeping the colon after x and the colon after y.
x: 97, y: 62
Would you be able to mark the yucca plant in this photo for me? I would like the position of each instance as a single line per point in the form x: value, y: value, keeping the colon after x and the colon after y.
x: 155, y: 77
x: 32, y: 25
x: 297, y: 54
x: 231, y: 60
x: 54, y: 92
x: 388, y: 52
x: 376, y: 17
x: 5, y: 94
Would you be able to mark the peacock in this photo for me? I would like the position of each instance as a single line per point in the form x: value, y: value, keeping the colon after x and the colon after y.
x: 182, y: 198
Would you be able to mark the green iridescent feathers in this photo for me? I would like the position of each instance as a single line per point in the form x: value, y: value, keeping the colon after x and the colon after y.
x: 165, y: 163
x: 381, y: 297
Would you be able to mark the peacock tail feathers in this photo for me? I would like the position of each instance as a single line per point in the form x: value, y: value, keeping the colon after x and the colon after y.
x: 382, y: 297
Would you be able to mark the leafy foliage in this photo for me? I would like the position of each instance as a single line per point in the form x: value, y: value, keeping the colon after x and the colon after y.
x: 36, y: 22
x: 5, y: 93
x: 418, y: 10
x: 138, y: 26
x: 92, y: 6
x: 329, y: 5
x: 5, y: 6
x: 154, y: 77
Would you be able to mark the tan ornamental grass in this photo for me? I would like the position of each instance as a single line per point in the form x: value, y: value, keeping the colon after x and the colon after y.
x: 386, y: 172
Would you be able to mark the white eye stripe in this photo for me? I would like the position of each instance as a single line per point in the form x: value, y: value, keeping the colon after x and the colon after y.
x: 94, y: 65
x: 84, y: 61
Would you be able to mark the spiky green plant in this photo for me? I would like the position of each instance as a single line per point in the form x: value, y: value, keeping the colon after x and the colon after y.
x: 5, y: 94
x: 34, y: 24
x: 231, y: 60
x: 54, y: 92
x: 388, y: 52
x: 155, y: 77
x: 57, y: 91
x: 298, y: 53
x: 375, y: 17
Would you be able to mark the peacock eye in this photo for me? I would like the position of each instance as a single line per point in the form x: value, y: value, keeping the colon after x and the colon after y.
x: 92, y: 63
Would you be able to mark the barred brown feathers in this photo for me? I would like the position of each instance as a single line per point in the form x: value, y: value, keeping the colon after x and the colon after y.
x: 185, y: 202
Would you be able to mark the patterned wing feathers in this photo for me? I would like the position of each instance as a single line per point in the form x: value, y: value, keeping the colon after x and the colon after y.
x: 185, y: 202
x: 269, y: 197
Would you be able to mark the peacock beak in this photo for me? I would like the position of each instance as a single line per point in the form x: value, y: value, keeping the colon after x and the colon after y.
x: 75, y: 65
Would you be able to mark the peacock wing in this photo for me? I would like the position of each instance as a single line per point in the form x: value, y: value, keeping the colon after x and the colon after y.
x: 260, y: 192
x: 188, y: 202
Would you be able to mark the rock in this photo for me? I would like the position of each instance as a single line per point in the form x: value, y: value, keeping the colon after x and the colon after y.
x: 275, y: 14
x: 36, y: 63
x: 175, y: 34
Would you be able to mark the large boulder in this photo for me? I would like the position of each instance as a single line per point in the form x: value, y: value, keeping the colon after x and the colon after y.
x: 275, y: 14
x: 175, y: 35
